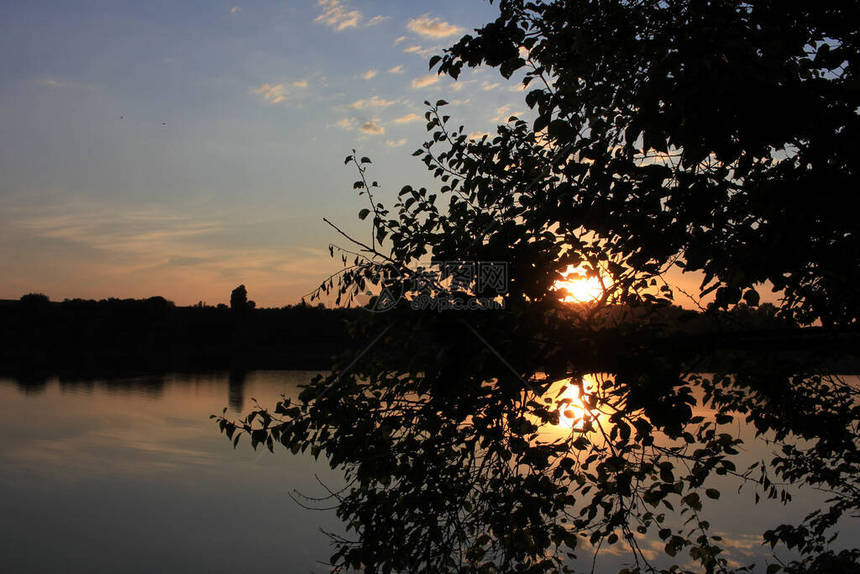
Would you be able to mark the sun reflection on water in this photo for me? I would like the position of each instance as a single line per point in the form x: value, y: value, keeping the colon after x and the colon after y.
x: 573, y: 410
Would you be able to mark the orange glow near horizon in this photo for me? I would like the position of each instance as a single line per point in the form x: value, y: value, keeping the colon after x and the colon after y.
x: 579, y: 286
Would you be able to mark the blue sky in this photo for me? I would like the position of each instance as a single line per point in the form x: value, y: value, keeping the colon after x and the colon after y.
x: 182, y: 148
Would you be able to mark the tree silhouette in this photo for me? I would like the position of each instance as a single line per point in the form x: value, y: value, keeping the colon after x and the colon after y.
x: 239, y: 299
x: 667, y: 133
x: 716, y: 136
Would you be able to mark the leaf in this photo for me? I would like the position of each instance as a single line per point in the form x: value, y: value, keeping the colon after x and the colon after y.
x: 693, y: 501
x: 712, y: 493
x: 541, y: 122
x: 613, y: 538
x: 666, y: 474
x: 723, y: 419
x: 363, y: 213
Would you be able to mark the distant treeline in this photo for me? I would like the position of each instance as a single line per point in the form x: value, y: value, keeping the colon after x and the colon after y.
x: 123, y: 336
x: 152, y: 335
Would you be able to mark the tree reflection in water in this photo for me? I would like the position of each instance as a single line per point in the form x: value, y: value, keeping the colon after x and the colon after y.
x: 455, y: 463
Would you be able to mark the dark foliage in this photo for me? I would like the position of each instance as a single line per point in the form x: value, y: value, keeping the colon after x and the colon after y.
x: 239, y: 300
x: 116, y: 336
x: 719, y: 137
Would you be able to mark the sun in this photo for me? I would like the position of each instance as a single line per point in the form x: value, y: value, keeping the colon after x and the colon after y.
x: 579, y: 286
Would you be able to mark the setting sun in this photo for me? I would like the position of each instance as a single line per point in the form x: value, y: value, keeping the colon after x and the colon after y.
x: 579, y: 286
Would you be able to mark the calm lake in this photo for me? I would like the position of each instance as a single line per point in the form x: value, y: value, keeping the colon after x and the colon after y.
x: 131, y: 475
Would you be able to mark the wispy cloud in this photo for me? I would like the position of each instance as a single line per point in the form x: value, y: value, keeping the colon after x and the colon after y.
x: 118, y: 230
x: 139, y: 251
x: 395, y: 143
x: 186, y: 261
x: 347, y: 124
x: 272, y: 93
x: 408, y: 118
x: 396, y: 70
x: 377, y: 20
x: 487, y: 86
x: 425, y: 81
x: 235, y: 9
x: 503, y: 113
x: 400, y: 39
x: 432, y: 27
x: 278, y: 93
x: 371, y: 127
x: 336, y: 15
x: 55, y: 83
x: 369, y: 75
x: 371, y: 102
x: 420, y: 50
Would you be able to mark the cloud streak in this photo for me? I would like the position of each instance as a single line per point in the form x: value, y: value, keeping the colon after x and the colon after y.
x: 272, y: 93
x: 55, y: 83
x: 420, y: 50
x: 431, y: 27
x: 425, y: 81
x: 377, y: 20
x: 372, y: 102
x: 408, y: 118
x: 337, y: 16
x: 503, y: 114
x: 367, y: 127
x: 278, y: 93
x: 372, y: 128
x: 88, y: 248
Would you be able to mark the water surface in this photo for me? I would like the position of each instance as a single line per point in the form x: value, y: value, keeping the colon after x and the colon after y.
x: 131, y: 475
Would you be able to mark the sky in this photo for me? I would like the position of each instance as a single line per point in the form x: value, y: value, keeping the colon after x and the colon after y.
x: 182, y: 148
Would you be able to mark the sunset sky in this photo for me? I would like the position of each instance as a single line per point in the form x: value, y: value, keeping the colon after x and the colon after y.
x: 179, y: 149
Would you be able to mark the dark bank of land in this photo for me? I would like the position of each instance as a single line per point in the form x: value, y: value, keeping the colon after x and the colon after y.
x: 120, y: 337
x: 124, y: 336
